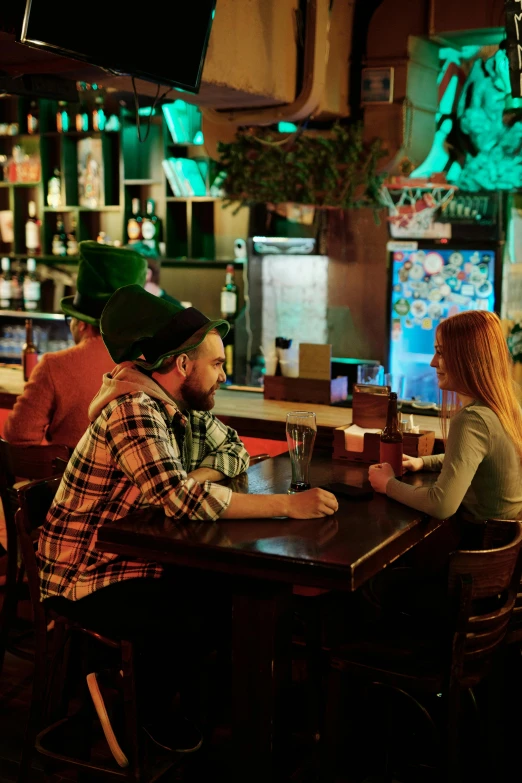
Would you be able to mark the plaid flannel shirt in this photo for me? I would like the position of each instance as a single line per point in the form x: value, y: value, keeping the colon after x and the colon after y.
x: 136, y: 453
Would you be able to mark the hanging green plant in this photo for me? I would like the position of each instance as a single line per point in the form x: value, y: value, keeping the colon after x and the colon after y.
x: 337, y: 170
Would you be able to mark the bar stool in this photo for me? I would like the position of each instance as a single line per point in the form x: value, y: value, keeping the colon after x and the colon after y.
x: 46, y: 722
x: 17, y: 462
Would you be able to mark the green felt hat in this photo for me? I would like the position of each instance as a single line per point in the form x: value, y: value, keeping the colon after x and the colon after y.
x: 102, y: 270
x: 135, y: 323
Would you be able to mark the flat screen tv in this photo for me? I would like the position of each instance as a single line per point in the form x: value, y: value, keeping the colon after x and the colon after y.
x: 162, y: 42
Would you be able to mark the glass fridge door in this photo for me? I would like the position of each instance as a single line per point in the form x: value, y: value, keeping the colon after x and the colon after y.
x: 428, y: 286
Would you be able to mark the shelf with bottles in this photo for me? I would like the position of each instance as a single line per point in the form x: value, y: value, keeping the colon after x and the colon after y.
x: 49, y: 335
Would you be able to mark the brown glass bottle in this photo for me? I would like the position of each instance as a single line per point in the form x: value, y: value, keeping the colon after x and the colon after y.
x: 391, y: 438
x: 29, y: 350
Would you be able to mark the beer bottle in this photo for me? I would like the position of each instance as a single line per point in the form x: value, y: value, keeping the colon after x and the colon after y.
x: 391, y: 438
x: 29, y: 350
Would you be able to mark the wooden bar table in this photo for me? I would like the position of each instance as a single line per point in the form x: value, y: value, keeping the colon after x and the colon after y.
x: 263, y: 559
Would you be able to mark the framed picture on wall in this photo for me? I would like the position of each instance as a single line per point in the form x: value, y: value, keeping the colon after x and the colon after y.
x: 377, y: 85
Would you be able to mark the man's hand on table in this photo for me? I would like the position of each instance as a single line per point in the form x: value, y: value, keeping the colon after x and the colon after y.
x: 311, y: 504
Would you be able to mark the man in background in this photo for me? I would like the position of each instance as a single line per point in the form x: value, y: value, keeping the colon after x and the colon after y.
x: 53, y: 406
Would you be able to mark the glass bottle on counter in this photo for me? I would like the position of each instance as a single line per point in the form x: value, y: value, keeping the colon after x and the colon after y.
x: 5, y: 284
x: 31, y: 287
x: 29, y: 350
x: 391, y: 447
x: 32, y: 231
x: 150, y: 227
x: 134, y: 224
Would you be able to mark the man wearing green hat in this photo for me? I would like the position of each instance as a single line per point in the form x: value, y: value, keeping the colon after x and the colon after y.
x: 153, y: 441
x: 55, y: 400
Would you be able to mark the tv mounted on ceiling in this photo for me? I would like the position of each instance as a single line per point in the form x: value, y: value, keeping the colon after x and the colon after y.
x: 162, y: 42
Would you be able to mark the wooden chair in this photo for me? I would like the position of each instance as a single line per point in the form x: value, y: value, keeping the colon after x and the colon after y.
x: 482, y: 590
x: 46, y: 726
x: 17, y: 463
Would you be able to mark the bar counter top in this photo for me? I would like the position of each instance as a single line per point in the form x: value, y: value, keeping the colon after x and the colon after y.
x: 247, y: 411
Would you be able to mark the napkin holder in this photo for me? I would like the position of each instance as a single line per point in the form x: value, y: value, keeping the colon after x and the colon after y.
x: 369, y: 410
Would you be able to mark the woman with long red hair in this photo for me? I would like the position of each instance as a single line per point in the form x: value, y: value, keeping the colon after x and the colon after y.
x: 481, y: 470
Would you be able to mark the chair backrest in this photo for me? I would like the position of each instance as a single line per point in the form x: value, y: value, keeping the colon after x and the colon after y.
x: 25, y: 462
x: 484, y: 584
x: 31, y: 462
x: 35, y: 501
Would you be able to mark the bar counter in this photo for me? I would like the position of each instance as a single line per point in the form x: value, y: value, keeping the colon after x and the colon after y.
x: 246, y: 411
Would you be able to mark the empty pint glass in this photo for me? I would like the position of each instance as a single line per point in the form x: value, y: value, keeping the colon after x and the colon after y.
x: 301, y: 429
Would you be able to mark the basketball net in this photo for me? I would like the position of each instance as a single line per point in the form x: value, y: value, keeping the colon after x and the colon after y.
x: 412, y: 207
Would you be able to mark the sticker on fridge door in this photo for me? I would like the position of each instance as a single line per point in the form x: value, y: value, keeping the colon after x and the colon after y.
x: 417, y: 272
x: 434, y: 311
x: 456, y: 259
x: 433, y: 263
x: 419, y: 308
x: 402, y: 306
x: 484, y: 290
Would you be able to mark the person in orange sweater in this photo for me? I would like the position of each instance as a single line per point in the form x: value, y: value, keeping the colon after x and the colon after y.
x: 53, y: 406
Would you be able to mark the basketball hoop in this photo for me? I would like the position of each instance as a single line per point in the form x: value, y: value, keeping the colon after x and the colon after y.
x: 413, y: 204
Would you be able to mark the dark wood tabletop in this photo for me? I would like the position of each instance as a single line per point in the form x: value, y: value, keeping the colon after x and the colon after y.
x: 342, y: 551
x: 265, y: 559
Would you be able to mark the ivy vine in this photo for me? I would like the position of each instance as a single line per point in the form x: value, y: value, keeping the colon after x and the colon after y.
x: 335, y: 170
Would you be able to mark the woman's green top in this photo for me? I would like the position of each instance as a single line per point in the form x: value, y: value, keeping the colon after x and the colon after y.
x: 480, y: 470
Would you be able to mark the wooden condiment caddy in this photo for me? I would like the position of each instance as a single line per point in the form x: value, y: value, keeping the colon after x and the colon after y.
x: 370, y: 404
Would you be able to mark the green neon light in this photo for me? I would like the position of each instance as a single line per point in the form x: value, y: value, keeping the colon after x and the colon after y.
x: 286, y: 127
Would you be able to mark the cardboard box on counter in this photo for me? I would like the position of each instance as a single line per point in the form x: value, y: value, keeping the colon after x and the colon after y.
x: 314, y: 384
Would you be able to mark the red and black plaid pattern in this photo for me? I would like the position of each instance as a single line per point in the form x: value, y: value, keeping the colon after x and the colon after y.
x: 133, y: 455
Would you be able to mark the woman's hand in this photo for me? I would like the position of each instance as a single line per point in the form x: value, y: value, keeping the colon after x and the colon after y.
x: 379, y: 476
x: 412, y: 464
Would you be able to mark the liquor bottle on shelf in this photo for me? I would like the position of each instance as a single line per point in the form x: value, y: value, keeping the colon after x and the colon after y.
x: 32, y: 231
x: 32, y: 118
x: 391, y: 447
x: 17, y: 296
x: 31, y: 287
x: 99, y: 118
x: 229, y: 312
x: 151, y: 227
x: 54, y: 190
x: 29, y: 350
x: 82, y: 119
x: 134, y: 223
x: 229, y: 295
x: 59, y: 247
x: 62, y: 117
x: 5, y: 284
x: 72, y: 242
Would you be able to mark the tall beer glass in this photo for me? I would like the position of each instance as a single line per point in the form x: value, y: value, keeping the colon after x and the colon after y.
x: 301, y: 429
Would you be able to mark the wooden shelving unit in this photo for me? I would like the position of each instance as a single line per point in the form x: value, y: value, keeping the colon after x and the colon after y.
x: 193, y: 228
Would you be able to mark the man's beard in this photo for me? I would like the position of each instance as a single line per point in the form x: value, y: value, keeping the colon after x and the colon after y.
x: 194, y: 396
